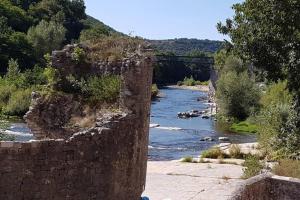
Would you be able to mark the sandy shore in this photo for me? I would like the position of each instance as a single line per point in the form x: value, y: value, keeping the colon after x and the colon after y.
x: 202, y: 88
x: 174, y: 180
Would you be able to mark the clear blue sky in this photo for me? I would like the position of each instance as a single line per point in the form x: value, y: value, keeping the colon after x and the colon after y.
x: 163, y: 19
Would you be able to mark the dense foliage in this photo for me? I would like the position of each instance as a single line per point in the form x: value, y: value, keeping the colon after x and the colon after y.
x: 266, y: 33
x: 170, y: 69
x: 237, y: 94
x: 184, y: 46
x: 32, y: 28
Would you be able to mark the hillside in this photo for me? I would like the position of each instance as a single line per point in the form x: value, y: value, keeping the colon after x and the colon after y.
x: 91, y: 22
x: 184, y: 46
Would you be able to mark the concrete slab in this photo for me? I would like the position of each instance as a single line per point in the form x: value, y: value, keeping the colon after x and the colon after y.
x: 173, y: 180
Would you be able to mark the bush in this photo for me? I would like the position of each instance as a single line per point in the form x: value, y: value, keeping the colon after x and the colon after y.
x: 5, y: 93
x: 18, y: 103
x: 252, y: 166
x: 78, y: 55
x: 277, y: 130
x: 214, y: 153
x: 51, y: 75
x: 289, y: 168
x: 187, y: 159
x: 237, y: 95
x: 103, y: 89
x: 235, y: 151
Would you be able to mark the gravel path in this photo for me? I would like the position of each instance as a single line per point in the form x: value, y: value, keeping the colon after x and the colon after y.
x: 173, y: 180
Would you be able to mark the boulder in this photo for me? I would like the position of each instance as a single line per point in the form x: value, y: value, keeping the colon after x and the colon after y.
x: 224, y: 139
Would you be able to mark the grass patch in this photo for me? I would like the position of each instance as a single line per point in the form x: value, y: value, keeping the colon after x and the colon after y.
x: 243, y: 127
x: 235, y: 151
x: 187, y: 159
x: 214, y: 153
x: 289, y: 168
x: 253, y: 167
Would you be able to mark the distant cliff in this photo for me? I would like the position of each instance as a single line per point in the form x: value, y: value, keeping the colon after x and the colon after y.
x: 184, y: 46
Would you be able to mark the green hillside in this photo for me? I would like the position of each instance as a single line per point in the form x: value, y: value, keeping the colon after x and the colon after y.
x: 184, y: 46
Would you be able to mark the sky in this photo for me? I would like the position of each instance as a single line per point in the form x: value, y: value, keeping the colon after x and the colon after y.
x: 163, y: 19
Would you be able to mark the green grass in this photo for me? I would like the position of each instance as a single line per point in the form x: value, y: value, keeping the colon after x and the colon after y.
x: 243, y: 127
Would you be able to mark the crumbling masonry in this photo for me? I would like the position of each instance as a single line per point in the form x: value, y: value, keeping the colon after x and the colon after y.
x: 105, y: 162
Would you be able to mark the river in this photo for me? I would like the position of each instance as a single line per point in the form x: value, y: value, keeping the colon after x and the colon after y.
x: 184, y: 135
x: 175, y: 138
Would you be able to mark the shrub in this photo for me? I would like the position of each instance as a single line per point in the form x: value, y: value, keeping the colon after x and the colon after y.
x: 189, y: 81
x: 289, y: 168
x: 18, y: 103
x: 103, y: 89
x: 187, y: 159
x: 277, y: 131
x: 51, y: 75
x: 214, y: 153
x: 78, y: 55
x: 237, y: 95
x: 5, y: 93
x: 252, y: 166
x: 235, y: 151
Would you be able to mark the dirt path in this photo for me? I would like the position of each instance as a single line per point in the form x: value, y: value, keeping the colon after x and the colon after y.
x: 173, y: 180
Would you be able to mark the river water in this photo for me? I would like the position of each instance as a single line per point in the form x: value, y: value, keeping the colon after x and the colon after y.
x: 177, y: 138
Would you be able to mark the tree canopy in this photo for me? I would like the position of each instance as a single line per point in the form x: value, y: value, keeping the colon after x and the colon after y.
x: 267, y: 33
x: 31, y: 28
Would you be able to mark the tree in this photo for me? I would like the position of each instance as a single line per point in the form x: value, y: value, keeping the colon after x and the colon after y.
x: 237, y: 95
x: 46, y: 36
x: 267, y: 33
x: 73, y: 11
x: 16, y: 17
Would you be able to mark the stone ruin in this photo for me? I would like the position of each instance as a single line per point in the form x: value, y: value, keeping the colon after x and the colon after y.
x: 104, y: 162
x: 268, y: 187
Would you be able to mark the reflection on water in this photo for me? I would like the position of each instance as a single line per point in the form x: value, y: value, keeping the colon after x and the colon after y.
x: 184, y: 139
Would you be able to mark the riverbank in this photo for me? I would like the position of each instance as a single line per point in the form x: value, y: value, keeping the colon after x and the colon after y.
x: 202, y: 88
x: 174, y: 180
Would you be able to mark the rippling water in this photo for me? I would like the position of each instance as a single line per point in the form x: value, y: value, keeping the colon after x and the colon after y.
x: 174, y: 138
x: 174, y: 144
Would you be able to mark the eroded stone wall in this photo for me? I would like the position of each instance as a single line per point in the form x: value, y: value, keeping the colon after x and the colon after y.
x: 105, y: 162
x: 269, y: 187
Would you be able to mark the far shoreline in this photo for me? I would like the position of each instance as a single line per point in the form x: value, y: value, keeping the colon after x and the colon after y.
x: 201, y: 88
